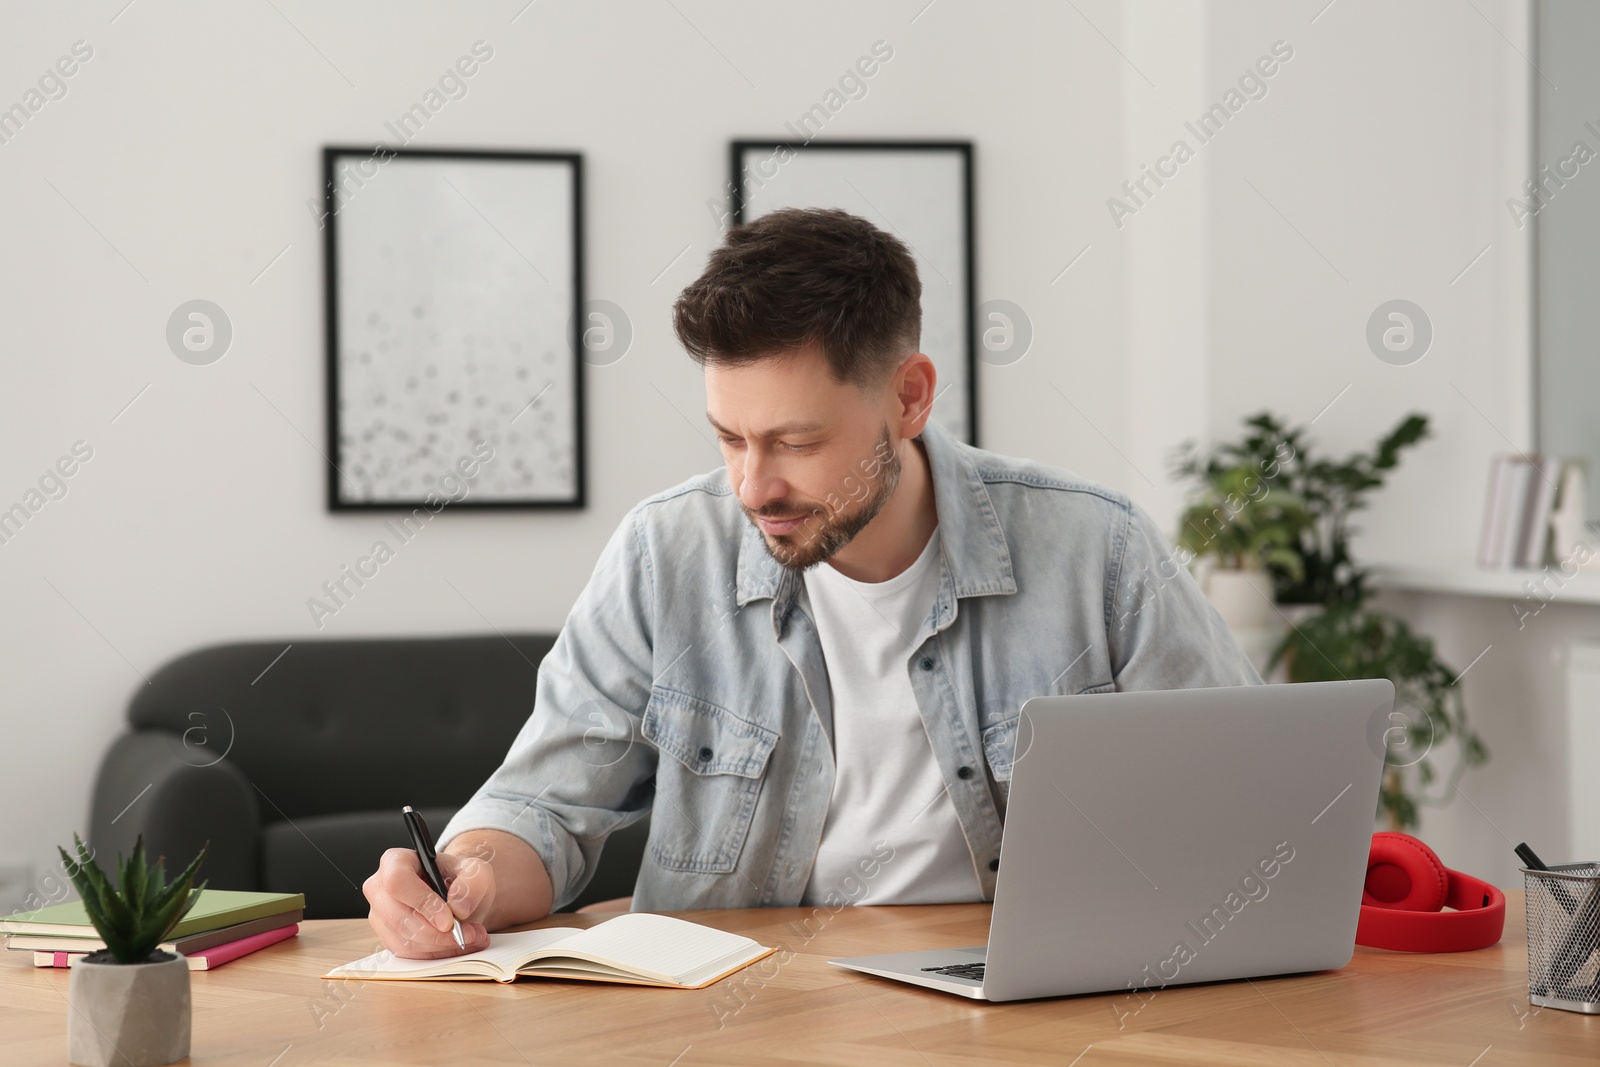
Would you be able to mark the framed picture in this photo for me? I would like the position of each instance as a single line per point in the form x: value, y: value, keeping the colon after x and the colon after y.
x: 455, y: 373
x: 920, y: 191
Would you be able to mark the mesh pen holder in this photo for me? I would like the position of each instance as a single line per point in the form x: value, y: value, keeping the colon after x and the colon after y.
x: 1563, y: 907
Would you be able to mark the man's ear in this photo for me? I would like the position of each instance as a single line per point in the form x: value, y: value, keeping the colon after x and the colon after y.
x: 915, y: 386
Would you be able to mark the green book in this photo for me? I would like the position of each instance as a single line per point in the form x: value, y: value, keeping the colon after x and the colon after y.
x: 216, y: 908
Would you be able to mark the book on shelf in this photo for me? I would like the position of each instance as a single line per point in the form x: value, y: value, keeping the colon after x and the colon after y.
x: 215, y: 908
x: 1518, y: 504
x: 638, y: 948
x: 204, y: 959
x: 187, y: 944
x: 1491, y: 541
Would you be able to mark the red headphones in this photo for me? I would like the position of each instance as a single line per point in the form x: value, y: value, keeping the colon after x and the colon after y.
x: 1405, y: 889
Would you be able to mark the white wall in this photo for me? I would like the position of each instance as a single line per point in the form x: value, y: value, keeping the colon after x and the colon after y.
x: 1380, y: 165
x: 187, y: 147
x: 1165, y: 359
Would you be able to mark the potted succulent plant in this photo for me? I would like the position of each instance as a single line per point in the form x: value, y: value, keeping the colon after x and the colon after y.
x: 129, y: 1002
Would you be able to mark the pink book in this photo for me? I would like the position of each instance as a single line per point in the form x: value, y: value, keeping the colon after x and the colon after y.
x: 204, y: 960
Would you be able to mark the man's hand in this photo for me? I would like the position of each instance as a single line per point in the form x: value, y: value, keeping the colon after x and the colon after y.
x: 408, y: 915
x: 414, y: 923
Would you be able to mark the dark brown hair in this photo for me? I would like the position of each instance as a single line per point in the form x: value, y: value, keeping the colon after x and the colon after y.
x: 804, y: 275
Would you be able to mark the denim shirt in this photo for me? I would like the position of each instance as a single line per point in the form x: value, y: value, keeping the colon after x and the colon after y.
x: 688, y: 681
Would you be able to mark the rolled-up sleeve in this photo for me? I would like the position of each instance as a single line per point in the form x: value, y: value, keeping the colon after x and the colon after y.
x: 580, y: 767
x: 1163, y: 633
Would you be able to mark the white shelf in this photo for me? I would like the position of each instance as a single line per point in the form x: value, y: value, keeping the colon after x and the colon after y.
x: 1467, y: 580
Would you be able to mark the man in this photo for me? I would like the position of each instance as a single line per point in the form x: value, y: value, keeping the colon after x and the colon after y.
x: 808, y: 666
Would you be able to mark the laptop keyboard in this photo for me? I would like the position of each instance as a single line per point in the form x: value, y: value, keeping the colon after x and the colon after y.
x: 974, y: 971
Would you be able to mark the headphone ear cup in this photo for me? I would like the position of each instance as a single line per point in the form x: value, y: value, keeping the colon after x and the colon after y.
x: 1404, y: 874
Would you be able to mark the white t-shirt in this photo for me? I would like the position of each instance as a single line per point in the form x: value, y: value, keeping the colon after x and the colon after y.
x: 891, y: 836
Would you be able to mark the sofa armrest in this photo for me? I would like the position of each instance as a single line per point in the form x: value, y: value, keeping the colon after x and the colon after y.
x: 151, y: 784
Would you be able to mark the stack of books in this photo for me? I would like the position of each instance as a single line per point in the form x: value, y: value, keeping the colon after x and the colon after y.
x: 223, y: 925
x: 1517, y: 508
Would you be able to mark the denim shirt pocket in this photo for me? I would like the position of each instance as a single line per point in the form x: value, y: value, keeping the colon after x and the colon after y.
x: 999, y: 744
x: 1000, y: 739
x: 706, y: 796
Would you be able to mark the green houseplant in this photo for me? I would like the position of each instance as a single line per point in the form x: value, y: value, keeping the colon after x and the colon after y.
x: 1236, y: 517
x: 1330, y: 492
x: 1247, y: 526
x: 130, y: 1001
x: 1339, y: 634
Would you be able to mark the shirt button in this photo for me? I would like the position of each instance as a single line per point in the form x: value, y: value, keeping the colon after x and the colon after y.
x: 994, y: 865
x: 963, y: 772
x: 927, y: 663
x: 705, y: 754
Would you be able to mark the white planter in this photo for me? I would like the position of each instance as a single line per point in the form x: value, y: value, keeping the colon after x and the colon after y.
x: 127, y: 1014
x: 1243, y: 599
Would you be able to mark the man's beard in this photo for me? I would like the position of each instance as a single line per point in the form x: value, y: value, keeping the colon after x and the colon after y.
x: 822, y: 534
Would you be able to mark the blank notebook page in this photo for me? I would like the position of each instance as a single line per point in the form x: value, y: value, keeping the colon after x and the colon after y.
x: 660, y: 943
x: 507, y: 950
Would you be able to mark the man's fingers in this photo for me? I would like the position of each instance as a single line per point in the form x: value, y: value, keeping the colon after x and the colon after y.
x: 462, y: 899
x: 475, y: 935
x: 471, y: 882
x: 411, y: 919
x: 408, y: 935
x: 400, y: 879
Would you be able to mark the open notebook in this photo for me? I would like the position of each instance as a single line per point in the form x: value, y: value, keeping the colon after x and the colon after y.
x: 638, y: 948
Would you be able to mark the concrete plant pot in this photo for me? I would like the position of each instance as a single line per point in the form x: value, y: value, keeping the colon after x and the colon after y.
x: 128, y: 1014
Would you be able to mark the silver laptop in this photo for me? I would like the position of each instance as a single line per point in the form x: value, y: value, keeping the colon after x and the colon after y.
x: 1164, y: 838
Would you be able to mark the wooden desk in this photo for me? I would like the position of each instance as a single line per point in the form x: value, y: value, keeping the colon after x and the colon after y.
x: 271, y: 1010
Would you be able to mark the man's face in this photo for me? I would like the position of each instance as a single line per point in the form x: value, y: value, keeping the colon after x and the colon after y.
x: 812, y: 460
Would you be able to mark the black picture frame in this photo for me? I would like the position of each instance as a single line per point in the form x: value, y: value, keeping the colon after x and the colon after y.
x: 739, y: 153
x: 567, y: 351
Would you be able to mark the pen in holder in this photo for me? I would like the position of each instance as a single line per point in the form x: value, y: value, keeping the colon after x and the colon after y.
x: 1563, y: 909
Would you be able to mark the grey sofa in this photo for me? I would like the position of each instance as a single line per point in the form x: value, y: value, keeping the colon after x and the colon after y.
x: 295, y: 767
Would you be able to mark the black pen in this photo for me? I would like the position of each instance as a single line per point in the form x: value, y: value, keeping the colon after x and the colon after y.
x: 1531, y: 859
x: 422, y: 841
